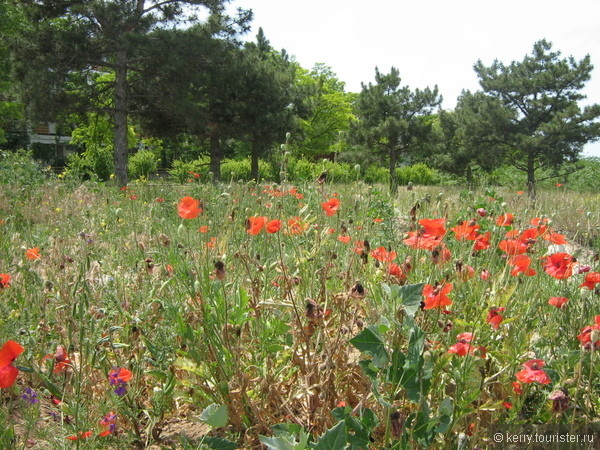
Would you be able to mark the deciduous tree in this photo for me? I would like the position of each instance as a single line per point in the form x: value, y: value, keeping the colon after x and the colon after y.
x: 325, y: 110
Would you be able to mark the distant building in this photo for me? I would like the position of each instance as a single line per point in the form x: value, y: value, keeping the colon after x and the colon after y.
x: 45, y: 133
x: 49, y: 146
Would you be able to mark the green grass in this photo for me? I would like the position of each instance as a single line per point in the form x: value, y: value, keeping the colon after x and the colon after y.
x: 286, y: 337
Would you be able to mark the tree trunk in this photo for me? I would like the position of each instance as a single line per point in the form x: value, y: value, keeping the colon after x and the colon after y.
x: 531, y: 177
x: 393, y: 162
x: 254, y: 161
x: 469, y: 175
x: 120, y: 117
x: 215, y: 156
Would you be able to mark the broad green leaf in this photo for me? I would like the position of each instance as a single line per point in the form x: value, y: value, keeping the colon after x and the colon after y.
x: 368, y: 368
x: 370, y: 341
x: 411, y: 296
x: 446, y: 407
x: 416, y: 344
x: 278, y: 442
x: 217, y: 443
x: 215, y: 415
x: 334, y: 439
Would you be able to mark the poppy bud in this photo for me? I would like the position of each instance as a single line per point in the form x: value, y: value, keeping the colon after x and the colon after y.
x: 397, y: 424
x: 220, y: 270
x: 313, y: 311
x: 357, y: 291
x: 560, y: 400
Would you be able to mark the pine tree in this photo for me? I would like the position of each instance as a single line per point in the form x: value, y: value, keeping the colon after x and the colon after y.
x: 528, y: 112
x: 390, y: 117
x: 68, y: 42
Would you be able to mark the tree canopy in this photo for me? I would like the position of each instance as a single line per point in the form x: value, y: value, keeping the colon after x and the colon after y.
x: 391, y: 117
x: 153, y: 67
x: 68, y: 42
x: 325, y: 110
x: 529, y: 113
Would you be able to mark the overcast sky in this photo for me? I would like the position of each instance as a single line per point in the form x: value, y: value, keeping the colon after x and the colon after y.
x: 430, y: 42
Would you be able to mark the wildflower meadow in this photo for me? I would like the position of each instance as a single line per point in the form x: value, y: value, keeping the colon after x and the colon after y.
x: 314, y: 315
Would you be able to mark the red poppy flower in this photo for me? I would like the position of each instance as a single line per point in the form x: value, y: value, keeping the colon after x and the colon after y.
x: 8, y: 353
x: 295, y: 225
x: 421, y: 241
x: 466, y: 230
x: 273, y: 226
x: 484, y: 275
x: 494, y: 318
x: 33, y: 253
x: 382, y: 255
x: 521, y: 264
x: 530, y: 236
x: 119, y: 376
x: 189, y: 208
x: 344, y: 239
x: 377, y: 220
x: 397, y: 271
x: 482, y: 241
x: 80, y: 435
x: 331, y: 206
x: 591, y: 280
x: 255, y: 224
x: 512, y: 234
x: 512, y: 246
x: 533, y: 372
x: 463, y: 345
x: 433, y: 227
x: 559, y: 302
x: 4, y: 280
x: 517, y: 387
x: 559, y: 265
x: 359, y: 247
x: 437, y: 296
x: 505, y: 220
x: 540, y: 221
x: 61, y: 359
x: 590, y: 335
x: 108, y: 424
x: 203, y: 229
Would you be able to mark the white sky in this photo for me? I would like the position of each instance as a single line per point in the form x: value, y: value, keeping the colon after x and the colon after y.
x: 430, y: 42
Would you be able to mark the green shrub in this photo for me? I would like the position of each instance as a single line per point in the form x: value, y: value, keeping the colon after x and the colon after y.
x: 142, y: 164
x: 182, y: 171
x: 235, y: 170
x: 239, y: 170
x: 18, y: 168
x: 376, y: 174
x: 93, y: 164
x: 336, y: 172
x: 301, y: 170
x: 304, y: 170
x: 266, y: 171
x: 416, y: 174
x: 587, y: 178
